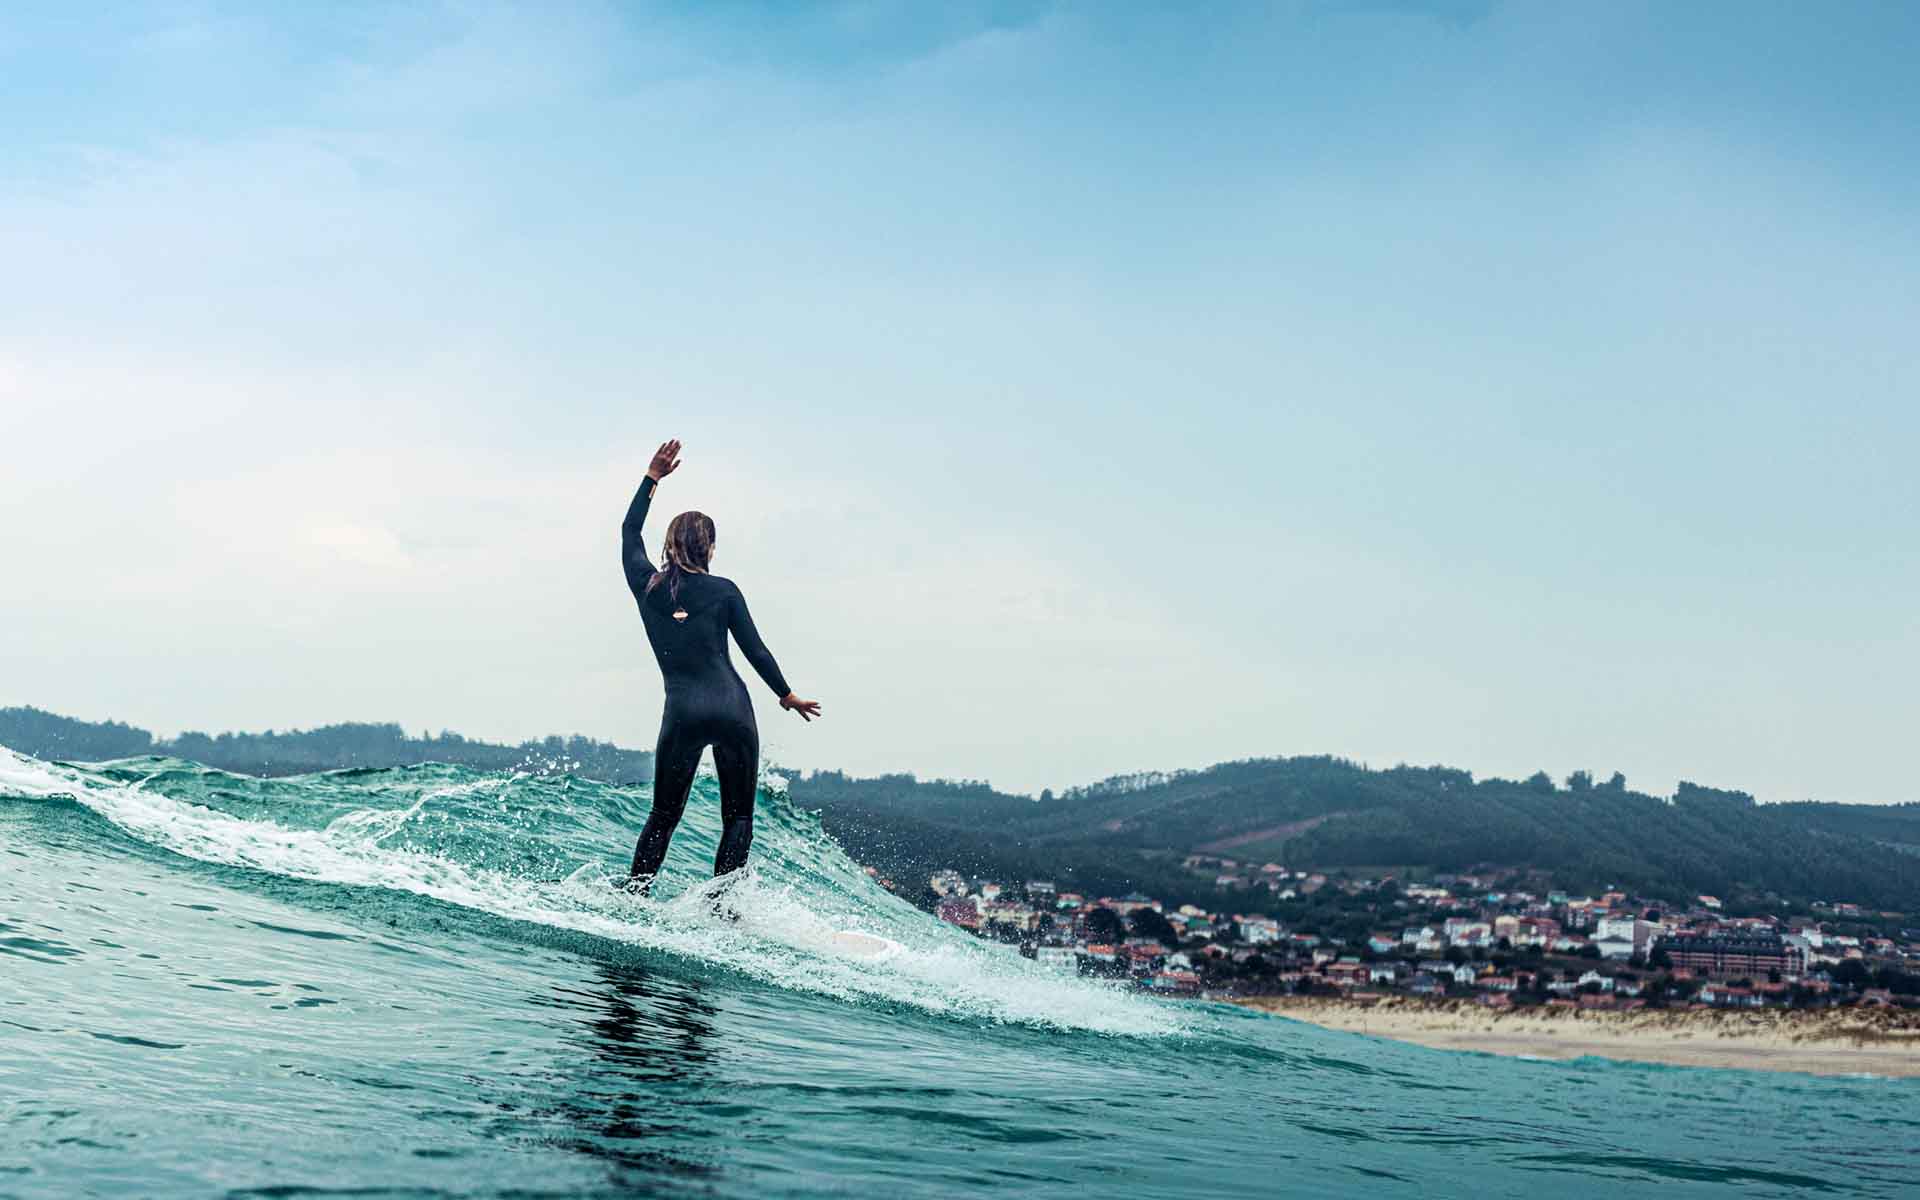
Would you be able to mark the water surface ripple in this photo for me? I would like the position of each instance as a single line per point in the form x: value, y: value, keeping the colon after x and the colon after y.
x: 416, y: 983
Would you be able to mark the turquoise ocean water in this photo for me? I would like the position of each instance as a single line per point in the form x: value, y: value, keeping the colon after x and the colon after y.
x: 416, y: 983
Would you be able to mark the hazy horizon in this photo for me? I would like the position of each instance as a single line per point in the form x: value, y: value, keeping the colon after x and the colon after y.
x: 1077, y: 390
x: 431, y: 732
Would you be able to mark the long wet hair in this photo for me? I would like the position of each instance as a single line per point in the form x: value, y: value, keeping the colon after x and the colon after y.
x: 688, y: 549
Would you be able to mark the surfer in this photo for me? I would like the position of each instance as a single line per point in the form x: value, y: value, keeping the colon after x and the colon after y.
x: 688, y: 613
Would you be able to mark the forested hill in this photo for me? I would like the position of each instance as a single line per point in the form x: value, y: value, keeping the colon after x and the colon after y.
x: 49, y: 736
x: 1132, y: 832
x: 1327, y: 813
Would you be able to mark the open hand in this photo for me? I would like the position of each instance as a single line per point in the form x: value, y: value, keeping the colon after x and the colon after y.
x: 808, y: 709
x: 665, y: 459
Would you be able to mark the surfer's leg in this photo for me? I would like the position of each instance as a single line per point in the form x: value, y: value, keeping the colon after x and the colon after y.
x: 675, y: 757
x: 736, y: 759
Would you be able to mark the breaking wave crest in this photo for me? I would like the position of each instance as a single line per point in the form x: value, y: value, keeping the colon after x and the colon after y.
x: 542, y: 850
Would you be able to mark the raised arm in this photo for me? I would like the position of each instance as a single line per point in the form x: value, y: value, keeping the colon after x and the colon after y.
x: 633, y: 552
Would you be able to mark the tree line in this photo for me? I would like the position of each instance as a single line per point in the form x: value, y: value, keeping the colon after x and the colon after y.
x: 52, y: 737
x: 1133, y: 832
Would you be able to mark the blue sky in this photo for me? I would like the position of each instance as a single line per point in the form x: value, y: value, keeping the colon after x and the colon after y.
x: 1078, y: 388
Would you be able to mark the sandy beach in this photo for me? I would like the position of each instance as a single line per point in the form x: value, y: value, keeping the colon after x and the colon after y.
x: 1833, y: 1042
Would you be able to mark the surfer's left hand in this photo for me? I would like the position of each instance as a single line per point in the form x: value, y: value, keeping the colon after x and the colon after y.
x: 808, y: 709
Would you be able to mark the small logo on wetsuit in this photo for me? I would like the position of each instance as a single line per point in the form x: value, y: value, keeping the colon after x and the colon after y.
x: 679, y: 614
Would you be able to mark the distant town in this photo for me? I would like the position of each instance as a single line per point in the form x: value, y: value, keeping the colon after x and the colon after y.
x: 1485, y: 935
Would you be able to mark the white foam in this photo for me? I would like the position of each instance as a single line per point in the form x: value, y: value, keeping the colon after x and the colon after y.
x: 780, y: 936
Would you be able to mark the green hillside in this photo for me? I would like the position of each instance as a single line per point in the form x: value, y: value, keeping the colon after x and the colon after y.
x: 49, y: 736
x: 1133, y: 832
x: 1327, y: 813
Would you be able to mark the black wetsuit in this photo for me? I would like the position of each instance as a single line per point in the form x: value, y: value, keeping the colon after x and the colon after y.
x: 707, y: 704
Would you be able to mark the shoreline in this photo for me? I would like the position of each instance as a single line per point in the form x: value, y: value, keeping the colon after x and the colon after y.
x: 1882, y: 1042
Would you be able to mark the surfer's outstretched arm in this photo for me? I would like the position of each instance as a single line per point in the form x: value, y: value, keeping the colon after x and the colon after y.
x: 633, y: 552
x: 740, y: 624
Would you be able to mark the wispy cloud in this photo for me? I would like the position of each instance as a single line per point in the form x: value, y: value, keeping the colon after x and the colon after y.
x: 1078, y: 389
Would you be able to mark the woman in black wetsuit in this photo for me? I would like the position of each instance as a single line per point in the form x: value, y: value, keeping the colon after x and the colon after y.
x: 688, y: 614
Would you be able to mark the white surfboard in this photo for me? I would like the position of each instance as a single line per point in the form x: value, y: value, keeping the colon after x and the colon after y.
x: 855, y: 944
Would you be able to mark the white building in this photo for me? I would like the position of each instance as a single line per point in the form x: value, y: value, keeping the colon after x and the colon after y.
x: 1624, y: 937
x: 1257, y: 931
x: 1425, y: 939
x: 1614, y: 949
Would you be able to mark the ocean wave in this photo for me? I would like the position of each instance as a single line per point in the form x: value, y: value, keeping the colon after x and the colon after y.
x: 541, y: 849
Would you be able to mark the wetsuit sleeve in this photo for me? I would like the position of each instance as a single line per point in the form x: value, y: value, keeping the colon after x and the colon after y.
x: 633, y: 554
x: 741, y: 626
